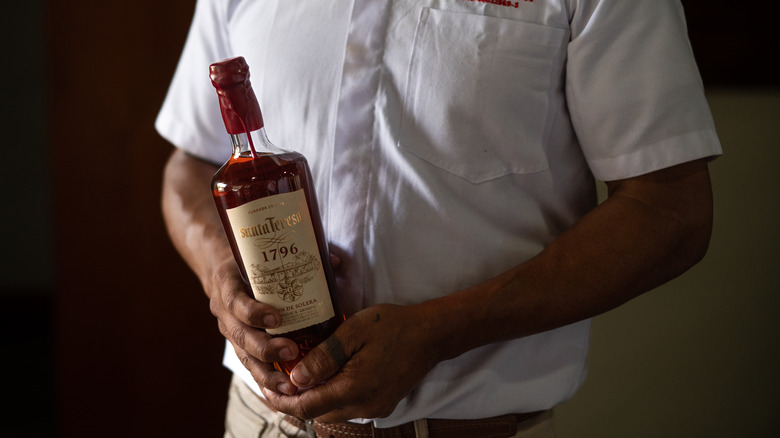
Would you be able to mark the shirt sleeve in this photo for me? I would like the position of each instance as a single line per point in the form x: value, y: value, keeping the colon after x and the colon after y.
x: 190, y: 118
x: 633, y: 88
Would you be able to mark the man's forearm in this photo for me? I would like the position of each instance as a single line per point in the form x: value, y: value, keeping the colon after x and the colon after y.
x: 190, y: 217
x: 650, y: 230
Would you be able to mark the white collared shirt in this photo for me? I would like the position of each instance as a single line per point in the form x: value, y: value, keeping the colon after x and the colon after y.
x: 451, y: 140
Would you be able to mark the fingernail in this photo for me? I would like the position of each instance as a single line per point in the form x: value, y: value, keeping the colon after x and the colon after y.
x: 300, y: 376
x: 286, y: 354
x: 269, y: 321
x: 286, y: 388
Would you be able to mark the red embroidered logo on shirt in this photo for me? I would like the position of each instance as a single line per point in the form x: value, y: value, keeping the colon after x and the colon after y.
x: 506, y: 3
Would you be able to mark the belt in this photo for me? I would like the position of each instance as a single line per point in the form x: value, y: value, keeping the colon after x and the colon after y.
x: 494, y: 427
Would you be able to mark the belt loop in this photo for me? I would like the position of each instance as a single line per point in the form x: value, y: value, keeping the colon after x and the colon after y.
x: 421, y: 428
x: 310, y: 429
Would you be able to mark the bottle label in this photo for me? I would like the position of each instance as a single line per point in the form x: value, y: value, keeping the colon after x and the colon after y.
x: 279, y: 249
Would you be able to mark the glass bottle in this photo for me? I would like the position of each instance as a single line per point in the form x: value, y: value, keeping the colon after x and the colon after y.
x: 266, y: 200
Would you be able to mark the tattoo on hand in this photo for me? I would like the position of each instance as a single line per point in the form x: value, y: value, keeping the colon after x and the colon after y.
x: 336, y: 350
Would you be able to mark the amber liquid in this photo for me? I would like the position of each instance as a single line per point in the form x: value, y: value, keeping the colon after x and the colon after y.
x: 245, y: 179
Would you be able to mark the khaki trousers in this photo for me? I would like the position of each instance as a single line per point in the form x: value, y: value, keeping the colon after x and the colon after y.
x: 248, y: 417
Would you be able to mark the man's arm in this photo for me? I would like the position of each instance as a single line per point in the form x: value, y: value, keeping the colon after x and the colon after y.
x: 196, y: 231
x: 651, y: 229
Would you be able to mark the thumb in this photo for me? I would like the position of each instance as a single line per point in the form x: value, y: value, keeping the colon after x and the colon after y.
x: 319, y: 364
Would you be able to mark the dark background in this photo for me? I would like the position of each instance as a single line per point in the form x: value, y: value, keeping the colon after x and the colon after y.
x: 106, y: 331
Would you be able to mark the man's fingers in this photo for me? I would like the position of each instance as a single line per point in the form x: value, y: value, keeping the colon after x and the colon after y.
x: 320, y: 363
x: 242, y: 318
x: 230, y: 295
x: 258, y: 343
x: 312, y: 403
x: 241, y: 321
x: 246, y: 309
x: 264, y: 373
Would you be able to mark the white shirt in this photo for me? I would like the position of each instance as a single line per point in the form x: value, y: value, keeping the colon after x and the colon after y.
x: 451, y: 140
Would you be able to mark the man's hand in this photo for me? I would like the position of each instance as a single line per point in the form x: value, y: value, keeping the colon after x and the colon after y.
x: 196, y: 231
x: 372, y: 361
x: 241, y: 321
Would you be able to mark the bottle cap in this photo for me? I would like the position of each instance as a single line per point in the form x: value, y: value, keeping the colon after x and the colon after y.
x: 240, y: 109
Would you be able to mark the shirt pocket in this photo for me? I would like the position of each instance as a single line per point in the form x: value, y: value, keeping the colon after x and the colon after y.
x: 478, y: 98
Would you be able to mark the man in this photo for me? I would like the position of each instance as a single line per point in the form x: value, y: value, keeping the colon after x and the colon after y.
x: 454, y: 145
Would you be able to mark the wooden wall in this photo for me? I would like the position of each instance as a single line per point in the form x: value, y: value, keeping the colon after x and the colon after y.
x: 137, y: 353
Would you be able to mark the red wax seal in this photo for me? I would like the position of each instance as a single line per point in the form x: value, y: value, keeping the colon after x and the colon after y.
x: 240, y: 109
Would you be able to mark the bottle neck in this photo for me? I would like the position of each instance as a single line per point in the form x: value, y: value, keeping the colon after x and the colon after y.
x: 253, y: 144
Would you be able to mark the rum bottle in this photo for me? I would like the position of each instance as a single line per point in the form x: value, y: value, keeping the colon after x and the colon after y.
x: 266, y: 200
